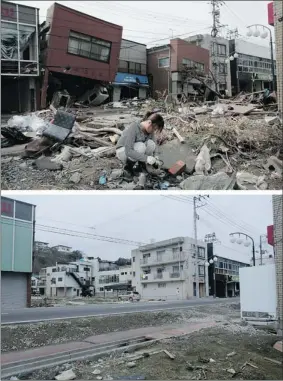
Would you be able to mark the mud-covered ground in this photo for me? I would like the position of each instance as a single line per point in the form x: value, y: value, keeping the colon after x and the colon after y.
x: 19, y: 337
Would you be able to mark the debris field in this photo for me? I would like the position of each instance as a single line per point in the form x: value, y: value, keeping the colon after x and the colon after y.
x: 228, y: 144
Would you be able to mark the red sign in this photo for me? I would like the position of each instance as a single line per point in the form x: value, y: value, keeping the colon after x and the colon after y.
x: 270, y: 13
x: 8, y: 12
x: 270, y: 235
x: 7, y: 208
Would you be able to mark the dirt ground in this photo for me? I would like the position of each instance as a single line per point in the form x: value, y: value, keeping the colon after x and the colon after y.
x: 19, y: 337
x: 208, y: 354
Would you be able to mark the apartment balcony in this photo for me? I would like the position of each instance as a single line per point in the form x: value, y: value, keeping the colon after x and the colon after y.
x: 163, y: 277
x: 165, y: 258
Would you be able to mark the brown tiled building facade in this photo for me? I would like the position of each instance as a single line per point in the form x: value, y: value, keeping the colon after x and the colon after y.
x: 278, y: 14
x: 277, y: 221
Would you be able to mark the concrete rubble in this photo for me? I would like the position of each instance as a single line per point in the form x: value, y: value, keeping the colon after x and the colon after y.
x: 227, y: 144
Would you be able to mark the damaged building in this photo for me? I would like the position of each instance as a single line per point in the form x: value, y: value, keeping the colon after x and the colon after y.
x: 168, y: 63
x: 131, y: 80
x: 19, y: 58
x: 79, y: 57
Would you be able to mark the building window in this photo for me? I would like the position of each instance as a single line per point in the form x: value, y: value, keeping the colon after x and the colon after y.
x: 86, y: 269
x: 163, y: 62
x: 53, y: 281
x: 177, y: 269
x: 222, y: 68
x: 122, y: 273
x: 221, y: 50
x: 144, y: 285
x: 201, y: 252
x: 101, y: 289
x: 54, y: 270
x: 133, y: 259
x: 161, y: 285
x: 131, y: 67
x: 134, y: 273
x: 23, y: 211
x: 89, y: 47
x: 60, y: 279
x: 201, y: 270
x: 7, y: 207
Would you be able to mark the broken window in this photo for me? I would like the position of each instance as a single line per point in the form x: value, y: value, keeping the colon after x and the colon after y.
x: 9, y: 41
x: 7, y: 207
x: 161, y: 285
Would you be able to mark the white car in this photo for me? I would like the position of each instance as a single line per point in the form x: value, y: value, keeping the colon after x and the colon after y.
x: 132, y: 296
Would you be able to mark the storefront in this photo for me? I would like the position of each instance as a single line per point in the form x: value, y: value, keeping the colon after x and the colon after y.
x: 19, y: 57
x: 129, y: 86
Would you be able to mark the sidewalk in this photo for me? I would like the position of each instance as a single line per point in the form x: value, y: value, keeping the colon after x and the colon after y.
x: 153, y: 333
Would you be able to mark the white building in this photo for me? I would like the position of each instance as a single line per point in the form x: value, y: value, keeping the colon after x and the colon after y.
x: 219, y: 52
x: 91, y: 274
x: 38, y: 245
x: 62, y: 248
x: 166, y: 269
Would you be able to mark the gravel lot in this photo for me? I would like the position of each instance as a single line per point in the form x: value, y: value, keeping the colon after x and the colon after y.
x: 19, y: 337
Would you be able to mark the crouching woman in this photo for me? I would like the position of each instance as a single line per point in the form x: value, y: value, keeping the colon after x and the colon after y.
x: 137, y: 143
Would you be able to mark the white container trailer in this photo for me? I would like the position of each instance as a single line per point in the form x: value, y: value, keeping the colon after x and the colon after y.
x: 258, y: 295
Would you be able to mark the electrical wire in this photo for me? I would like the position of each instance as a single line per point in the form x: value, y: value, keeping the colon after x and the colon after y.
x: 75, y: 233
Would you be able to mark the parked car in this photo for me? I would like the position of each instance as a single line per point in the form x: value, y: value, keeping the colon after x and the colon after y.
x: 131, y: 296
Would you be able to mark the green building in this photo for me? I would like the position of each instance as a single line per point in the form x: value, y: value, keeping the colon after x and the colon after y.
x: 17, y: 241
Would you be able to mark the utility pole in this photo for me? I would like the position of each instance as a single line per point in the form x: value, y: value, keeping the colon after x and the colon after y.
x: 197, y: 200
x: 260, y: 247
x: 214, y: 33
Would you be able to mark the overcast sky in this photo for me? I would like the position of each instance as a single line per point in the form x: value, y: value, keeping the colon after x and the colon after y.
x: 141, y: 218
x: 153, y: 22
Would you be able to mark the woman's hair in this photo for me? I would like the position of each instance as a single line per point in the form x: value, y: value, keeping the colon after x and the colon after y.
x: 155, y: 119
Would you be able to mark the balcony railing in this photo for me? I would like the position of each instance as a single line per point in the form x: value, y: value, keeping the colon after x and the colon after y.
x: 164, y: 277
x: 166, y: 258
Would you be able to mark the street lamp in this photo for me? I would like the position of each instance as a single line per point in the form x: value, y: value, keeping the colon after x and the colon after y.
x: 240, y: 241
x: 232, y: 57
x: 264, y: 34
x: 212, y: 261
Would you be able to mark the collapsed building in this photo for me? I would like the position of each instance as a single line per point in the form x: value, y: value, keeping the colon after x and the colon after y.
x: 79, y: 57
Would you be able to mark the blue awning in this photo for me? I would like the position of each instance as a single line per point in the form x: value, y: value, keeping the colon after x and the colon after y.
x: 130, y: 79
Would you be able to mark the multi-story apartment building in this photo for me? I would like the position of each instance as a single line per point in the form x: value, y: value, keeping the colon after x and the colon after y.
x: 131, y: 79
x: 219, y: 56
x: 223, y: 273
x: 251, y: 71
x: 17, y: 238
x: 166, y: 67
x: 277, y: 221
x: 87, y: 276
x: 19, y: 58
x: 80, y: 53
x: 166, y: 269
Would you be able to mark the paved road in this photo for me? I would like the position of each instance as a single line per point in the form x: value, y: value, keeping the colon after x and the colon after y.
x: 27, y: 315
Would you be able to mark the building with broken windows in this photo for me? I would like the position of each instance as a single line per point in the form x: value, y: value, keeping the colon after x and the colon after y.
x: 131, y: 79
x: 251, y: 71
x: 79, y: 55
x: 175, y: 68
x: 19, y: 58
x: 17, y: 241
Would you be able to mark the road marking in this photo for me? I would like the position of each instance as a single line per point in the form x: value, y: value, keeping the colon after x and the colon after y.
x: 100, y: 315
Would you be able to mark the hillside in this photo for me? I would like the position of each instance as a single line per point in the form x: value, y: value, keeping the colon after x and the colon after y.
x: 49, y: 257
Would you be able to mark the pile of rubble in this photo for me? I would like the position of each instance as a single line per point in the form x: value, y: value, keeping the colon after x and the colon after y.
x: 228, y: 144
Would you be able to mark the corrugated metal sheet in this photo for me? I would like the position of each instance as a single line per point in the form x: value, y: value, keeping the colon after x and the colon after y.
x: 13, y: 290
